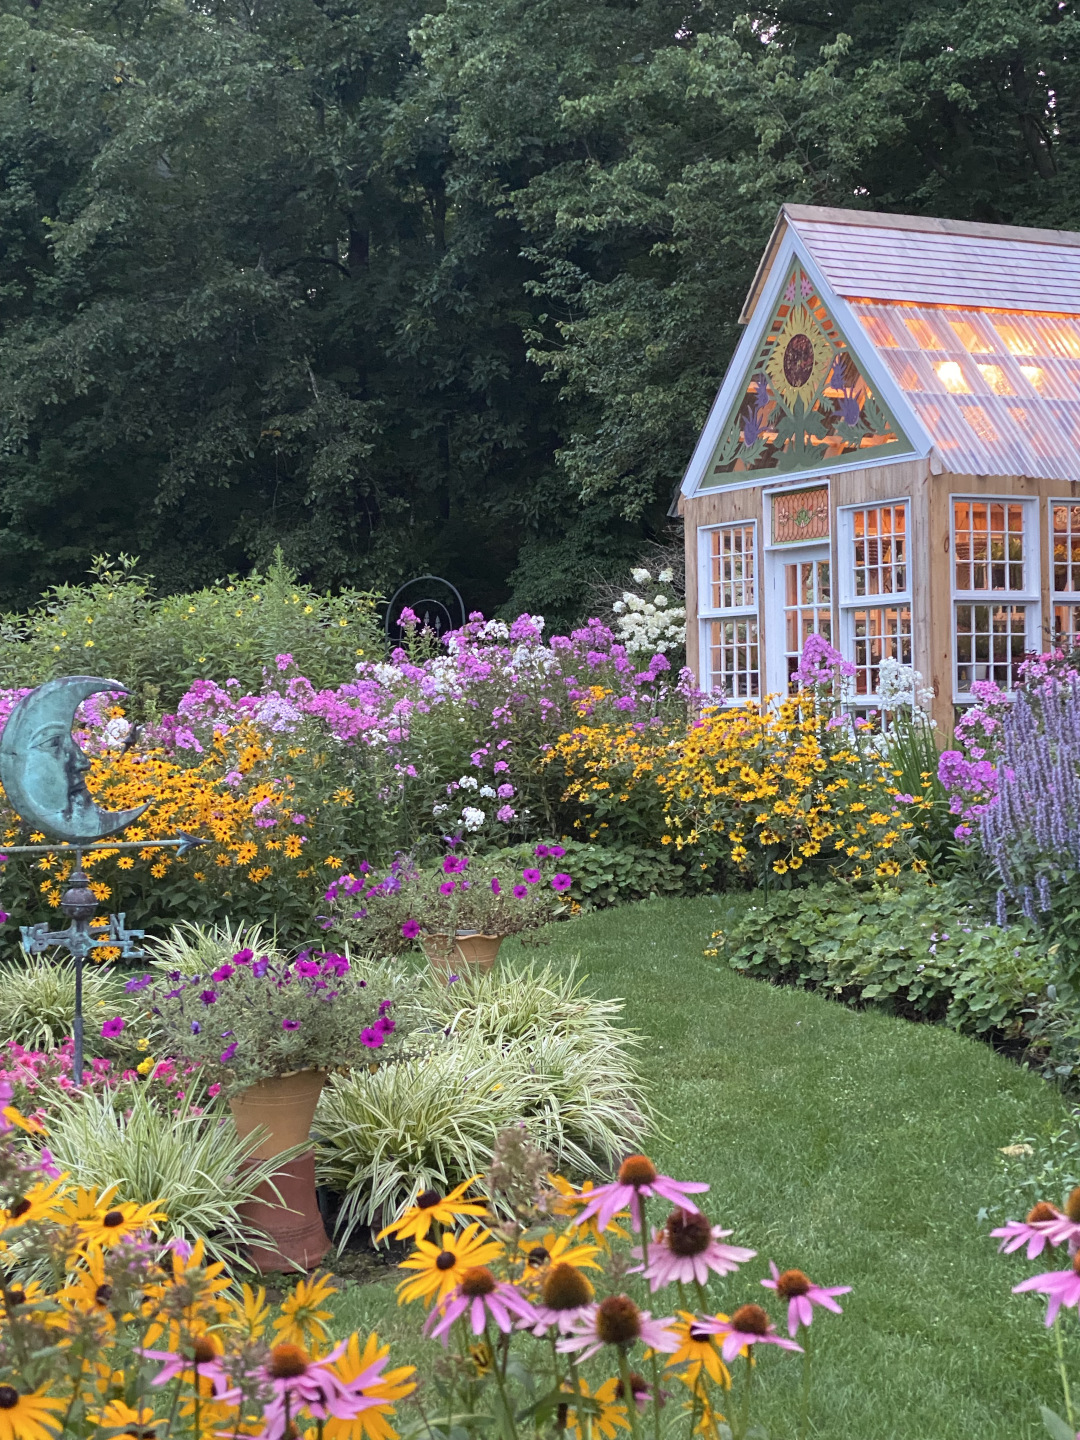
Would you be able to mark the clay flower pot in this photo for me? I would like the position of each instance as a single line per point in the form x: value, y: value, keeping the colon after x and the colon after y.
x: 467, y: 950
x: 285, y: 1105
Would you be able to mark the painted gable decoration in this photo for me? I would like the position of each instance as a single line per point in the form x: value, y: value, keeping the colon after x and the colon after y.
x: 806, y: 402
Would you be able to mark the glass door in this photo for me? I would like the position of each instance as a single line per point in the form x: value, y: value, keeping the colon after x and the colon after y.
x: 800, y: 604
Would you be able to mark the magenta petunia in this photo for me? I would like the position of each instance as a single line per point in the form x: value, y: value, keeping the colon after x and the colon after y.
x: 496, y: 888
x: 561, y: 882
x: 372, y: 1038
x: 290, y: 1024
x: 802, y: 1295
x: 307, y: 968
x: 531, y: 875
x: 227, y: 1054
x: 556, y: 852
x: 410, y: 929
x: 520, y: 892
x: 208, y: 997
x: 638, y: 1178
x: 242, y: 957
x: 113, y: 1027
x: 222, y: 973
x: 447, y: 887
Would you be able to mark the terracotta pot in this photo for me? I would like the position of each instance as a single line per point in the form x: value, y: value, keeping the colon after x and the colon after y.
x: 285, y: 1105
x: 468, y: 950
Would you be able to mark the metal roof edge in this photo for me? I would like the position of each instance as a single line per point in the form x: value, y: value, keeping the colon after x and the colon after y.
x: 765, y: 264
x: 882, y: 220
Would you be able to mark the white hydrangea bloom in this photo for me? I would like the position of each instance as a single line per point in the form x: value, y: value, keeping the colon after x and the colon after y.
x: 640, y: 576
x: 665, y: 577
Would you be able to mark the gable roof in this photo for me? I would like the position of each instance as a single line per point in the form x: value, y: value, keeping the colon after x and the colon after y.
x: 969, y: 333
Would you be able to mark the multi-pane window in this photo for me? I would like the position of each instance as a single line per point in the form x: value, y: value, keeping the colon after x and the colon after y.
x: 875, y: 591
x: 728, y: 612
x: 1065, y: 566
x: 995, y: 589
x: 807, y: 609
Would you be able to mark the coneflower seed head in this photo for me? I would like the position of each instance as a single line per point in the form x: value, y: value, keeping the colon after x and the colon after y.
x: 477, y: 1280
x: 688, y: 1232
x: 618, y: 1320
x: 565, y: 1288
x: 1072, y: 1205
x: 203, y: 1352
x: 1042, y: 1211
x: 637, y: 1170
x: 792, y: 1283
x: 287, y: 1361
x: 751, y: 1320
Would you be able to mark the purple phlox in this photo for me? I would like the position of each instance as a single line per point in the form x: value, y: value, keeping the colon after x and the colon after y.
x: 802, y: 1295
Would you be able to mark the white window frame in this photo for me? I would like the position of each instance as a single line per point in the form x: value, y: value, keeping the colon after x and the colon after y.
x: 708, y: 613
x: 844, y: 584
x: 1058, y: 597
x: 1030, y: 597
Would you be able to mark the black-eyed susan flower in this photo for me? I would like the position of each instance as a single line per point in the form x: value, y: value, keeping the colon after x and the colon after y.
x: 601, y: 1407
x: 118, y: 1415
x: 41, y: 1202
x: 440, y: 1266
x: 28, y: 1414
x: 301, y: 1321
x: 698, y: 1351
x: 361, y: 1369
x: 103, y: 1220
x: 432, y: 1208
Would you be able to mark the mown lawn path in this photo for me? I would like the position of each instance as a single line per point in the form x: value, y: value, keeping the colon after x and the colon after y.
x: 855, y: 1146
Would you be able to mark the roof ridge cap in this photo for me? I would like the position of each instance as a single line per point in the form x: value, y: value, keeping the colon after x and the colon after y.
x: 927, y: 224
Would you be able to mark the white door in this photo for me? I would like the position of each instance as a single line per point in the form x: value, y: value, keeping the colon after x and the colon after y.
x: 798, y: 604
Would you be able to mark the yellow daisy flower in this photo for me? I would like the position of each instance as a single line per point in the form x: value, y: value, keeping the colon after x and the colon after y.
x: 301, y: 1321
x: 118, y: 1415
x: 697, y: 1351
x: 101, y: 1220
x: 440, y: 1266
x: 551, y: 1249
x: 28, y: 1415
x: 43, y: 1201
x: 88, y: 1292
x: 250, y: 1314
x: 370, y: 1424
x: 605, y: 1412
x: 432, y: 1207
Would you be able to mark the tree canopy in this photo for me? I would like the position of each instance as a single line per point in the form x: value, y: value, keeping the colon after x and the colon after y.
x: 450, y: 287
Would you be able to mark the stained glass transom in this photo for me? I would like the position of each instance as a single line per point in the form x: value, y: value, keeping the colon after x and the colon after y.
x: 806, y: 402
x: 988, y: 541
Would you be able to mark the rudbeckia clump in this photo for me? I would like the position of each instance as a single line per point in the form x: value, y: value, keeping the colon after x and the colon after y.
x: 105, y: 1330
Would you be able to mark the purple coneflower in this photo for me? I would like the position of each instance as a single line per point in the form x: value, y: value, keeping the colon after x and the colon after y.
x: 298, y: 1382
x: 686, y: 1248
x: 480, y: 1296
x: 1062, y: 1287
x: 750, y: 1325
x: 638, y: 1179
x: 564, y: 1298
x: 802, y: 1295
x: 617, y: 1321
x: 1044, y: 1225
x: 204, y: 1356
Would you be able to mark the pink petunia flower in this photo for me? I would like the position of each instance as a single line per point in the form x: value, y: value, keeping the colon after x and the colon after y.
x: 1062, y: 1288
x: 638, y: 1179
x: 1044, y: 1225
x: 749, y: 1325
x: 561, y: 882
x: 479, y: 1296
x: 617, y: 1321
x: 802, y: 1295
x: 686, y: 1248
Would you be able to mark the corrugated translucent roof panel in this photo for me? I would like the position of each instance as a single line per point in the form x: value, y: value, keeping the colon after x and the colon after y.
x: 997, y: 390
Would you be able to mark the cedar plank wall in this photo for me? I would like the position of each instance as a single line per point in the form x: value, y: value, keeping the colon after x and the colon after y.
x: 713, y: 508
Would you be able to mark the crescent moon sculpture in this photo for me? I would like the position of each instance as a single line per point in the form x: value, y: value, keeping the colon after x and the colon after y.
x: 42, y: 768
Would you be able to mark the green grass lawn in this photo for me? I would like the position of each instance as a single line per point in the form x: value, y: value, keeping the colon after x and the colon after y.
x: 855, y: 1146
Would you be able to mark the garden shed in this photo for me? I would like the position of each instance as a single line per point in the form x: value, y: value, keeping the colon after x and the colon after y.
x: 893, y: 458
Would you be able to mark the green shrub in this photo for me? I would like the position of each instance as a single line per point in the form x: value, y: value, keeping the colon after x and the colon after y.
x: 616, y: 873
x: 194, y: 1163
x: 116, y: 626
x: 916, y: 949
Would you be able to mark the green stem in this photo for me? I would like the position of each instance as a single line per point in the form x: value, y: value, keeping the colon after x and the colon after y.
x: 1060, y: 1344
x: 656, y: 1396
x: 703, y: 1299
x: 804, y: 1407
x: 511, y: 1427
x: 744, y: 1421
x: 628, y: 1392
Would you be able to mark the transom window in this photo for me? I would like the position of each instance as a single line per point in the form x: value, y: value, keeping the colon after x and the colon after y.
x: 875, y: 591
x: 995, y: 590
x: 730, y: 654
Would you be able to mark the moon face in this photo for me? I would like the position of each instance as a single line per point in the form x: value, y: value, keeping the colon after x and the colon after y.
x: 42, y: 768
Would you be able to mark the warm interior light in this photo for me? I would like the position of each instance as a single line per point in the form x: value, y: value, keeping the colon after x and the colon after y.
x: 952, y: 377
x: 1016, y: 342
x: 879, y: 332
x: 996, y: 378
x: 1060, y: 337
x: 1033, y: 375
x: 970, y: 338
x: 924, y: 335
